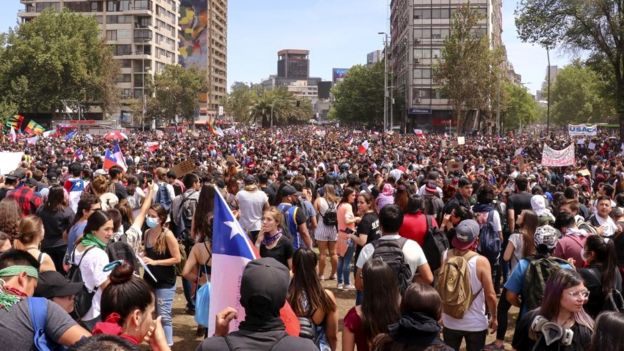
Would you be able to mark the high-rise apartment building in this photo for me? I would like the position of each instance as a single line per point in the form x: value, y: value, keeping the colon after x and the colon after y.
x: 418, y: 29
x: 142, y: 34
x: 203, y: 44
x: 293, y: 64
x: 374, y: 57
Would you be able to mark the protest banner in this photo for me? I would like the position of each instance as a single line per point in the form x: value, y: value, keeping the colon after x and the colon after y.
x: 558, y: 158
x: 461, y: 140
x: 184, y: 168
x: 582, y: 129
x: 9, y: 161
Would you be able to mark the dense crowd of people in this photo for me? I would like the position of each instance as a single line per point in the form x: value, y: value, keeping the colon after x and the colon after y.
x: 436, y: 238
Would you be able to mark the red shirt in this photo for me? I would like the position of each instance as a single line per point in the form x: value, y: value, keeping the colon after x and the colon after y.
x: 414, y: 227
x: 353, y: 322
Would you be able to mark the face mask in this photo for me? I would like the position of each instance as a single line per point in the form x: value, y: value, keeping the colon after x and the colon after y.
x: 151, y: 222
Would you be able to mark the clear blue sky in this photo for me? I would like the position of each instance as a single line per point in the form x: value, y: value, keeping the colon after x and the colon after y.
x: 338, y: 33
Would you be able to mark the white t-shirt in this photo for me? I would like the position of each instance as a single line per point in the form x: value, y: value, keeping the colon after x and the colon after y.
x: 413, y: 253
x: 610, y: 228
x: 93, y: 275
x: 250, y: 205
x: 135, y: 201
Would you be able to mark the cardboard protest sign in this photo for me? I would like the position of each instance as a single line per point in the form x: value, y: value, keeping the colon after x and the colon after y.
x: 461, y: 140
x: 184, y: 168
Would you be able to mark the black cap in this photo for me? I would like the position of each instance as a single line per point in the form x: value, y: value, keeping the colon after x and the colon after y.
x: 264, y: 286
x: 289, y: 190
x: 53, y: 284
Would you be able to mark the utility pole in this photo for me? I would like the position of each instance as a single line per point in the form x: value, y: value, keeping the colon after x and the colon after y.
x: 548, y: 102
x: 385, y: 112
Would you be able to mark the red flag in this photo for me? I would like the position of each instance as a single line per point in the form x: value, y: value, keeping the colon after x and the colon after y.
x: 363, y: 147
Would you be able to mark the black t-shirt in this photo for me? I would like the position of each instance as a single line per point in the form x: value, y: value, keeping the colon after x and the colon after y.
x: 281, y: 252
x: 120, y: 191
x: 54, y: 224
x: 518, y: 202
x: 369, y: 225
x: 593, y: 282
x: 522, y: 342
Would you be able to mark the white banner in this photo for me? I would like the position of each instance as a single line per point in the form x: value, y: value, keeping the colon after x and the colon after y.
x: 9, y: 161
x: 558, y: 158
x: 582, y: 129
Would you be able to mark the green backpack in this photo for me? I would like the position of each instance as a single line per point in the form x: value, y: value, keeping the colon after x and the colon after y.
x: 535, y: 278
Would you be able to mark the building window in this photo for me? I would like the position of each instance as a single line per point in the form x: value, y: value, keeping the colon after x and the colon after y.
x: 422, y: 13
x: 422, y: 53
x: 124, y: 78
x: 422, y: 93
x: 142, y: 5
x: 121, y: 50
x: 440, y: 33
x: 123, y: 34
x: 440, y: 13
x: 111, y: 35
x: 96, y: 6
x: 422, y: 73
x: 424, y: 33
x: 126, y: 63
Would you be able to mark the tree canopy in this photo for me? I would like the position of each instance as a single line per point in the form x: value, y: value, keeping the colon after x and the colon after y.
x: 520, y: 108
x: 594, y: 26
x: 253, y: 104
x: 577, y: 96
x: 468, y: 70
x: 57, y: 56
x: 359, y: 97
x: 176, y: 93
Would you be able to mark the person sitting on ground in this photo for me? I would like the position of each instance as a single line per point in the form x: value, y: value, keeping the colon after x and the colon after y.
x: 263, y: 290
x: 19, y: 274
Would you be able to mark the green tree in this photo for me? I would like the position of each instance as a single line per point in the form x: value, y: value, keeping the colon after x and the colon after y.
x: 593, y: 26
x: 287, y: 109
x: 577, y: 96
x: 468, y: 70
x: 521, y: 109
x: 359, y: 97
x: 176, y: 93
x: 57, y: 56
x: 239, y: 101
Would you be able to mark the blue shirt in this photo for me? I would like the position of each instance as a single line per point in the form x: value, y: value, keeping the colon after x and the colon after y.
x: 75, y: 232
x: 515, y: 283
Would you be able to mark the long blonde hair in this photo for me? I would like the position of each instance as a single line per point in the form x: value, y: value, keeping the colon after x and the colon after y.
x: 329, y: 193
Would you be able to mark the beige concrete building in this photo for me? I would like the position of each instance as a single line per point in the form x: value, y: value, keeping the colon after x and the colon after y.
x: 418, y: 29
x: 143, y: 35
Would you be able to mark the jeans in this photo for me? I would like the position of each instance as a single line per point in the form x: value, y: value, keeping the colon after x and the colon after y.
x: 164, y: 303
x: 188, y: 294
x: 475, y: 341
x: 344, y: 265
x: 502, y: 311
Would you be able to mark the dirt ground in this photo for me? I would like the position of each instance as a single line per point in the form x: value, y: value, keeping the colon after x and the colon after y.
x: 184, y: 326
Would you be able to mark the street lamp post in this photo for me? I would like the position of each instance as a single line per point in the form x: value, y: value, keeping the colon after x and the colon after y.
x: 385, y: 112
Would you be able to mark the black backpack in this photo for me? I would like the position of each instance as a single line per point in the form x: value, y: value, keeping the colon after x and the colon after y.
x: 330, y: 217
x: 84, y: 298
x: 434, y: 246
x: 391, y: 252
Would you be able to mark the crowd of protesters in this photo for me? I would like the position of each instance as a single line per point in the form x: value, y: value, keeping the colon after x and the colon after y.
x: 434, y: 238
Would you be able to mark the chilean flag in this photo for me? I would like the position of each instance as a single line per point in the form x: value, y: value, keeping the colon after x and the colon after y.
x: 152, y: 146
x: 363, y: 147
x: 231, y: 251
x: 114, y: 158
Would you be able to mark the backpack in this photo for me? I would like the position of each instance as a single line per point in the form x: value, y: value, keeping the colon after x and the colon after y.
x: 163, y: 198
x: 183, y: 217
x: 435, y: 244
x: 391, y: 252
x: 453, y: 285
x: 84, y: 298
x: 38, y: 310
x: 289, y: 227
x: 614, y: 301
x: 489, y: 240
x: 538, y: 272
x: 330, y: 217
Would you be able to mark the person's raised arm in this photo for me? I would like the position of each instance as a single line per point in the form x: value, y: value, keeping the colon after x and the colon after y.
x: 140, y: 217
